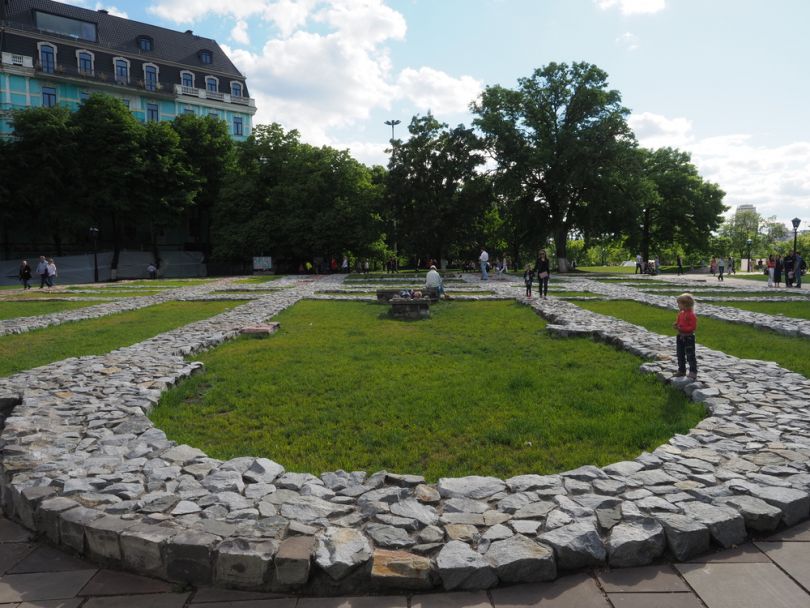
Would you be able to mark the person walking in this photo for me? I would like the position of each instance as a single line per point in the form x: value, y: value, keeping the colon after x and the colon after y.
x: 42, y: 271
x: 680, y: 266
x: 686, y: 324
x: 639, y: 267
x: 483, y: 261
x: 51, y: 272
x: 771, y: 269
x: 730, y: 266
x: 789, y: 268
x: 713, y: 265
x: 721, y: 268
x: 528, y: 279
x: 799, y: 266
x: 25, y: 274
x: 543, y: 272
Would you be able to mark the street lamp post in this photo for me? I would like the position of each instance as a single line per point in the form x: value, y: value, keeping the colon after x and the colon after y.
x: 393, y: 123
x: 94, y: 236
x: 795, y: 221
x: 749, y: 242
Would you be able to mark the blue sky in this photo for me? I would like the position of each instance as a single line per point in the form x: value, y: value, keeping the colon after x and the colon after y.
x: 726, y: 80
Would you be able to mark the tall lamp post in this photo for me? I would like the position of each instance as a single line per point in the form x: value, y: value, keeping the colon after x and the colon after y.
x: 94, y: 236
x: 795, y: 221
x: 749, y: 242
x: 393, y: 123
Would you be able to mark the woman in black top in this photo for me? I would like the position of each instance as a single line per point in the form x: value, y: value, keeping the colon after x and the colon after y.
x: 25, y: 274
x: 541, y: 269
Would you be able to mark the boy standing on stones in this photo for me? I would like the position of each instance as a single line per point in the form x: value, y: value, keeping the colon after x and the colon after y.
x: 686, y: 324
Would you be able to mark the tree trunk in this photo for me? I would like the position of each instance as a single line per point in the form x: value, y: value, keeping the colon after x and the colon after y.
x: 116, y: 249
x: 560, y: 245
x: 645, y: 236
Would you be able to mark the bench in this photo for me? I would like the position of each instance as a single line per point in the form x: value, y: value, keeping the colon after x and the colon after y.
x: 408, y: 308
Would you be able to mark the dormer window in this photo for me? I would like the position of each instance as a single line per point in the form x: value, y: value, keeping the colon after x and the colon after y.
x: 207, y: 57
x: 236, y: 89
x: 145, y: 43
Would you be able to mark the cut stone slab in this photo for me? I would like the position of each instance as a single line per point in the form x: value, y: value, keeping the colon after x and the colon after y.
x: 341, y: 550
x: 576, y: 545
x: 635, y: 543
x: 795, y: 504
x: 72, y: 524
x: 389, y: 537
x: 520, y: 560
x: 242, y: 562
x: 462, y: 568
x: 413, y: 509
x: 189, y: 557
x: 103, y: 537
x: 311, y: 508
x: 260, y: 331
x: 263, y: 470
x: 758, y: 514
x: 473, y: 486
x: 401, y: 569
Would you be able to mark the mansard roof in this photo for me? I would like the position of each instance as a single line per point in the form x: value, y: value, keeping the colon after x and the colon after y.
x: 121, y: 35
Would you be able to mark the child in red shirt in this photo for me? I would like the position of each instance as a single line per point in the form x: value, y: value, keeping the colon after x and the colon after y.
x: 686, y: 324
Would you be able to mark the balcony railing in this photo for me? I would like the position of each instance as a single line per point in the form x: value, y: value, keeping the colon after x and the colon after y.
x: 22, y: 61
x: 101, y: 77
x: 180, y: 89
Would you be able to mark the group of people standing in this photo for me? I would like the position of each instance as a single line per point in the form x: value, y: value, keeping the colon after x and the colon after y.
x: 792, y: 266
x: 501, y: 265
x: 718, y: 267
x: 46, y: 269
x: 542, y: 271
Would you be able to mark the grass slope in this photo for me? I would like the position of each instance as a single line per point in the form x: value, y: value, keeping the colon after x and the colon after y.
x: 742, y: 341
x: 19, y: 352
x: 479, y: 388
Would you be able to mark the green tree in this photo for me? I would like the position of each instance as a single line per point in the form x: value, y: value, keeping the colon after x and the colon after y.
x: 45, y: 141
x: 673, y: 204
x: 167, y: 184
x: 437, y: 190
x: 555, y: 138
x: 209, y: 150
x: 741, y: 227
x: 109, y: 138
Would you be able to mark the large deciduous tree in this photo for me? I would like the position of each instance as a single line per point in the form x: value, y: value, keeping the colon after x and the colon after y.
x: 555, y: 138
x: 438, y: 194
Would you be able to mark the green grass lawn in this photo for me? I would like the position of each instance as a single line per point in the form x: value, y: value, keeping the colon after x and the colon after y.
x: 478, y: 388
x: 724, y: 293
x: 13, y: 310
x: 799, y: 310
x: 734, y: 339
x: 19, y: 352
x: 262, y: 279
x: 755, y: 276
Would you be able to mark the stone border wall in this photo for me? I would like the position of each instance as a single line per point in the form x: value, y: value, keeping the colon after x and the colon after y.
x: 84, y: 466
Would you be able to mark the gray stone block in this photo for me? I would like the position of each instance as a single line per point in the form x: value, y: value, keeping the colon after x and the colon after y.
x: 725, y: 524
x: 189, y: 557
x: 244, y: 563
x: 462, y: 568
x: 576, y: 545
x: 141, y: 548
x: 795, y: 504
x: 341, y: 550
x: 520, y: 560
x: 72, y: 524
x: 47, y: 516
x: 27, y: 501
x: 757, y: 513
x: 635, y: 543
x: 293, y: 560
x: 401, y: 570
x: 103, y: 537
x: 685, y: 536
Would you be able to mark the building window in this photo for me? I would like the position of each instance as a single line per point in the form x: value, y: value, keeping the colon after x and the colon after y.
x: 48, y: 97
x: 145, y: 43
x: 187, y: 79
x: 236, y: 89
x: 238, y: 128
x: 85, y: 60
x: 47, y: 58
x: 150, y: 77
x: 152, y: 114
x: 211, y: 84
x: 121, y: 70
x: 83, y: 96
x: 206, y: 57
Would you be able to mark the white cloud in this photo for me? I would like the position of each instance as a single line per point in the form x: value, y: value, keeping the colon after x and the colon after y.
x: 188, y: 11
x: 628, y: 41
x: 239, y: 33
x: 776, y: 179
x: 633, y: 7
x: 430, y: 89
x: 656, y: 131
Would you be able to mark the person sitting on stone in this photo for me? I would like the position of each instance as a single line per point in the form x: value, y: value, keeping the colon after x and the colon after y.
x: 433, y: 280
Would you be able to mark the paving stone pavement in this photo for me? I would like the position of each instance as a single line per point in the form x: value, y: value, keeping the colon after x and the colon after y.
x: 773, y: 572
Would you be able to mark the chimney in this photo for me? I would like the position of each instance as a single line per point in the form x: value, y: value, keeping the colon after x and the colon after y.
x: 189, y: 32
x: 103, y: 11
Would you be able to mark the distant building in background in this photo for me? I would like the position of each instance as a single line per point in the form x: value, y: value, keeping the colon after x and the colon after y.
x: 746, y: 207
x: 58, y: 54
